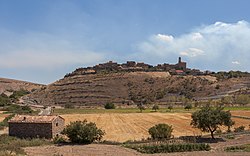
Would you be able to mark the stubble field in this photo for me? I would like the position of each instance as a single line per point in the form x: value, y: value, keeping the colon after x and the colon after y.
x: 121, y: 127
x: 2, y: 116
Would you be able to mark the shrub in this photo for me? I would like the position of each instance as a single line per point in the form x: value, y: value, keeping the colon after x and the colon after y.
x: 14, y: 145
x: 69, y: 106
x: 4, y: 100
x: 83, y: 132
x: 170, y: 107
x: 17, y: 94
x: 241, y: 148
x: 217, y: 87
x: 141, y: 107
x: 155, y: 107
x: 4, y: 123
x: 239, y: 129
x: 109, y: 106
x: 161, y: 131
x: 59, y: 140
x: 188, y: 106
x: 18, y: 109
x: 230, y: 136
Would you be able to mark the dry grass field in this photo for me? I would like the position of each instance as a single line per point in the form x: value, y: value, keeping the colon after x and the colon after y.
x: 134, y: 126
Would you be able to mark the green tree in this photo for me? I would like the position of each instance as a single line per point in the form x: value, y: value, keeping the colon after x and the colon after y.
x: 83, y: 132
x: 109, y: 106
x: 170, y: 107
x: 141, y: 107
x: 209, y: 119
x: 188, y: 106
x: 4, y: 100
x: 155, y: 107
x: 161, y: 131
x: 17, y: 94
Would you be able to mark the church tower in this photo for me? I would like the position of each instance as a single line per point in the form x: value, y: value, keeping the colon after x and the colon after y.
x: 179, y: 60
x: 181, y: 65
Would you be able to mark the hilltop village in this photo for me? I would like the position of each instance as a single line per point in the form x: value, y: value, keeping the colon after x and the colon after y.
x: 131, y: 66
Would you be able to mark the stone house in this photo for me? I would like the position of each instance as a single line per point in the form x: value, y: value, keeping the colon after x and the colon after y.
x: 26, y: 126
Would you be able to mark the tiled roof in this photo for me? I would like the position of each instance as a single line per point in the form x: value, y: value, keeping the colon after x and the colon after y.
x: 179, y: 71
x: 32, y: 119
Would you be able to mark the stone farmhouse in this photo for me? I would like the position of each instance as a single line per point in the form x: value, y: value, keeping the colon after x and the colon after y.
x: 26, y: 126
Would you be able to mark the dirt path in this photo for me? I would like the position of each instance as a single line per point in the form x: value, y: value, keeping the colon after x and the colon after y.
x: 113, y: 150
x: 81, y: 150
x: 239, y: 140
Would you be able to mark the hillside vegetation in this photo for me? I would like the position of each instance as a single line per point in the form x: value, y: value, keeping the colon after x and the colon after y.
x: 127, y: 88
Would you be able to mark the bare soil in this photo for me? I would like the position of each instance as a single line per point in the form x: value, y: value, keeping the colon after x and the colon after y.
x: 113, y: 150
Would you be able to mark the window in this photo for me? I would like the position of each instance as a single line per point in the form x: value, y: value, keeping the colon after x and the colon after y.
x: 56, y: 124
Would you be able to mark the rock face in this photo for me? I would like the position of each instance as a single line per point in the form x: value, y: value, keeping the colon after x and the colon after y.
x: 128, y: 88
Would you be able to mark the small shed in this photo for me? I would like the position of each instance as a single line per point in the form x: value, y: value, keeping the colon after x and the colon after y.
x: 27, y: 126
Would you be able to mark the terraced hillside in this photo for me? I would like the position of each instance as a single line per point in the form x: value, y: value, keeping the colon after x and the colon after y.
x: 131, y: 88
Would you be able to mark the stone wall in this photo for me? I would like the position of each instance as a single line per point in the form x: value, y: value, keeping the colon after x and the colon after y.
x: 34, y: 130
x: 57, y: 126
x: 30, y: 130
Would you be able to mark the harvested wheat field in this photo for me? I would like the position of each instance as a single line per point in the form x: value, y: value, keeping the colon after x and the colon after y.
x: 2, y: 116
x: 134, y: 126
x: 241, y: 113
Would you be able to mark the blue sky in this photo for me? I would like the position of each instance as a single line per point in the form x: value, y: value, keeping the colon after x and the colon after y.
x: 42, y: 40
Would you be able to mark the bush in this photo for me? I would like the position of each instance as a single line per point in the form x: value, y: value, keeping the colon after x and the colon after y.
x: 83, y: 132
x: 169, y: 148
x: 69, y: 106
x: 217, y: 87
x: 141, y: 107
x: 170, y: 107
x: 155, y: 107
x: 18, y: 109
x: 109, y: 106
x: 230, y: 136
x: 239, y: 129
x: 17, y: 94
x: 4, y: 123
x: 59, y: 140
x: 161, y: 131
x: 188, y: 106
x: 4, y: 100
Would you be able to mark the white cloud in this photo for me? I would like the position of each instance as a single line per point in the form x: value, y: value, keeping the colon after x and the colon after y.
x: 214, y: 46
x: 192, y: 52
x: 235, y: 62
x: 167, y: 38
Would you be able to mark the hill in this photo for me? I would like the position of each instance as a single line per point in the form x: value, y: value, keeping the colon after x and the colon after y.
x: 126, y: 88
x: 7, y: 86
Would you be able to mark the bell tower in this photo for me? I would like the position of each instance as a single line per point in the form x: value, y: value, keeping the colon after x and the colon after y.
x: 179, y: 60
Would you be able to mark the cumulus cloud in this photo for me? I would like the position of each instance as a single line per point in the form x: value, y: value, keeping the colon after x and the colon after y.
x: 214, y: 47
